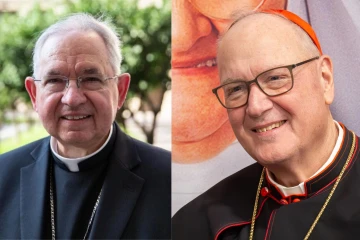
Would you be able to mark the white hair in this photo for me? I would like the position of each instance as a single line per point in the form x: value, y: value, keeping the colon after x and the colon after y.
x: 83, y: 22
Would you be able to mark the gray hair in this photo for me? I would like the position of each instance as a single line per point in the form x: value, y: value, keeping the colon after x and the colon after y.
x: 83, y: 22
x: 304, y: 38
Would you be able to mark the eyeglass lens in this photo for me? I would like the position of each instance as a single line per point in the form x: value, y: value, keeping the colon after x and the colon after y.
x: 272, y: 83
x: 60, y: 83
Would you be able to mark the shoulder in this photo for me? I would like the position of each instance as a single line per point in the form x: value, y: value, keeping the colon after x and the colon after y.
x: 152, y: 156
x: 20, y: 156
x: 154, y: 160
x: 237, y: 184
x: 150, y: 151
x: 13, y: 161
x: 218, y: 205
x: 143, y: 152
x: 147, y: 161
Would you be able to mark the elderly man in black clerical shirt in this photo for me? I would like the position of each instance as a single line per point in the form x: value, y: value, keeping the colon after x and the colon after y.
x: 88, y: 180
x: 277, y: 87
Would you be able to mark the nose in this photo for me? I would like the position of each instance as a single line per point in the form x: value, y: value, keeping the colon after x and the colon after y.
x: 187, y: 25
x: 258, y: 102
x: 73, y: 96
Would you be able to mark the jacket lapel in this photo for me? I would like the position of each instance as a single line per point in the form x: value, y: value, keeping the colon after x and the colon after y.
x: 33, y: 197
x: 121, y: 190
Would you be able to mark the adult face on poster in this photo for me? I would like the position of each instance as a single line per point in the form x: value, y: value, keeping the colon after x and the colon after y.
x: 200, y: 126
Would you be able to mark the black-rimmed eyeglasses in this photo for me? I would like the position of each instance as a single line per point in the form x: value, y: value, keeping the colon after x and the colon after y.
x: 58, y: 83
x: 273, y: 82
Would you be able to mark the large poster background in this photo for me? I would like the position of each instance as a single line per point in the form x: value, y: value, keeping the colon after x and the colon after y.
x: 204, y: 147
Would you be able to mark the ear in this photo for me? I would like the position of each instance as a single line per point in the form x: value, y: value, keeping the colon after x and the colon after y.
x: 31, y: 89
x: 327, y: 78
x: 123, y: 87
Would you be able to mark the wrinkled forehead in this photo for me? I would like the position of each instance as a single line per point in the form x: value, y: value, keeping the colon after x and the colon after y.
x: 73, y: 43
x: 257, y: 27
x: 261, y: 39
x: 73, y: 51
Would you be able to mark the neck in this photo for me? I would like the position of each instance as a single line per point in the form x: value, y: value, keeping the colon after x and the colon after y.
x: 295, y: 171
x: 78, y: 151
x: 74, y: 152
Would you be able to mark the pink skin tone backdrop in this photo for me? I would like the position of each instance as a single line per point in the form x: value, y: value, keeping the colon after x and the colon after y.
x: 200, y: 125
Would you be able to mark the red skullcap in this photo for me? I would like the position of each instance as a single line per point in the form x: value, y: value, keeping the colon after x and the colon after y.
x: 298, y: 21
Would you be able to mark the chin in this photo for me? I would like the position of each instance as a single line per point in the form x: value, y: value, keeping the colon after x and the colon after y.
x: 273, y: 157
x: 266, y: 162
x: 204, y: 149
x: 76, y: 138
x: 195, y: 130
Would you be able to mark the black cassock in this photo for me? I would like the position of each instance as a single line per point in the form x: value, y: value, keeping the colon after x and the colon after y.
x: 225, y: 210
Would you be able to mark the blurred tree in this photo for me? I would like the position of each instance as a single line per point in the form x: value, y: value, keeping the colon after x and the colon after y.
x: 17, y: 40
x: 145, y: 35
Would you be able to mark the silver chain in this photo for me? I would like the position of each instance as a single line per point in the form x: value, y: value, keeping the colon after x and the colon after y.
x: 93, y: 214
x: 53, y: 237
x: 52, y: 204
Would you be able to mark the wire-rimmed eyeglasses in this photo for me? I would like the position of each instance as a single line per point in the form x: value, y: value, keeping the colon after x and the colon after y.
x: 58, y: 83
x: 272, y: 82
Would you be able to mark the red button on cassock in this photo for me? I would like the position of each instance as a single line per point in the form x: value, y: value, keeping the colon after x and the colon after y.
x: 296, y: 200
x: 264, y: 191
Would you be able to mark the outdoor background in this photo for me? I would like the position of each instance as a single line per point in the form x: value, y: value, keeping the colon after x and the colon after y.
x: 144, y: 28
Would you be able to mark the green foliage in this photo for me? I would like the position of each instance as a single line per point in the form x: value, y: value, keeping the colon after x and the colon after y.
x: 145, y: 35
x: 16, y: 43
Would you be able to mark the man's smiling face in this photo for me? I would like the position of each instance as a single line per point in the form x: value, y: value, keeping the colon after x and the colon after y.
x: 76, y: 117
x: 284, y: 127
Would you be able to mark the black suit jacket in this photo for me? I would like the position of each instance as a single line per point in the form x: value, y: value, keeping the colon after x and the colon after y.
x: 135, y: 202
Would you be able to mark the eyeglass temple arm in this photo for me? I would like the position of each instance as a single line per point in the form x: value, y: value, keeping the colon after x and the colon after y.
x: 301, y: 63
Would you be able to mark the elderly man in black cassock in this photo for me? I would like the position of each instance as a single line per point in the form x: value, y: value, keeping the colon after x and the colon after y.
x: 88, y: 180
x: 277, y: 87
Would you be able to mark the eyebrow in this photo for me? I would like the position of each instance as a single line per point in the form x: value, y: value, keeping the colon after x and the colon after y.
x: 53, y: 72
x: 90, y: 71
x: 230, y: 80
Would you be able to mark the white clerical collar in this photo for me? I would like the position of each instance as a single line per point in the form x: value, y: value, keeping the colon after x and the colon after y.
x: 72, y: 163
x: 300, y: 189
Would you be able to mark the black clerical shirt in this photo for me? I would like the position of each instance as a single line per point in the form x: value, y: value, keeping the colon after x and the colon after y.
x: 75, y: 193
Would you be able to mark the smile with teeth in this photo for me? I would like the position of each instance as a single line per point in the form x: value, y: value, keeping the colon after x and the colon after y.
x: 272, y: 126
x: 75, y: 117
x: 208, y: 63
